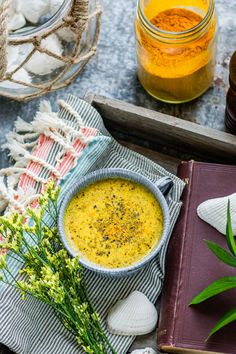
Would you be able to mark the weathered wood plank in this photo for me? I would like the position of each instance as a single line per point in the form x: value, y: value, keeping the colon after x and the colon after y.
x: 154, y: 128
x: 168, y: 162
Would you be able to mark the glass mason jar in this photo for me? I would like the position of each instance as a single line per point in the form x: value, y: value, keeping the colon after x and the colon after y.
x: 31, y: 72
x: 176, y: 47
x: 230, y: 112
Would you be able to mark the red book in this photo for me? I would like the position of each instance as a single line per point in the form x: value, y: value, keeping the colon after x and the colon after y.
x: 191, y: 267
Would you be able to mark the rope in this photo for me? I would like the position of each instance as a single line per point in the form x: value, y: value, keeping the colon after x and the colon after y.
x: 3, y: 37
x: 79, y: 14
x: 81, y: 21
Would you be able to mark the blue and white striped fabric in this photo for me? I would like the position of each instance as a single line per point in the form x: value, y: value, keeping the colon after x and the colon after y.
x: 30, y: 327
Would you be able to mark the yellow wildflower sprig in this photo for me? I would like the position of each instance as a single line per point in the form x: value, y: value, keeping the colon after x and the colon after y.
x: 49, y: 273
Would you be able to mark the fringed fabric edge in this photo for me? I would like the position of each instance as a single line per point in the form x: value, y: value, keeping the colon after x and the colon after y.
x: 23, y: 142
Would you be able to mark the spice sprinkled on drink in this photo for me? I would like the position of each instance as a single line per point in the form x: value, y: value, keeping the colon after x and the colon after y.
x: 114, y: 222
x: 176, y: 48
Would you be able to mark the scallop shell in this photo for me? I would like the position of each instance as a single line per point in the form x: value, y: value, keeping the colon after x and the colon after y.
x: 214, y: 212
x: 144, y: 351
x: 41, y: 63
x: 132, y: 316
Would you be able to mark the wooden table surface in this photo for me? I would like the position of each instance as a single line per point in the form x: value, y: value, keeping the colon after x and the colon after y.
x: 113, y: 73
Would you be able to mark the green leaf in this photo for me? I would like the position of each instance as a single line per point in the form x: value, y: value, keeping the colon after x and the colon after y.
x: 224, y: 321
x: 229, y: 232
x: 222, y: 254
x: 219, y: 286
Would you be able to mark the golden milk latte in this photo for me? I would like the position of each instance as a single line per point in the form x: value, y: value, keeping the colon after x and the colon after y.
x: 114, y: 222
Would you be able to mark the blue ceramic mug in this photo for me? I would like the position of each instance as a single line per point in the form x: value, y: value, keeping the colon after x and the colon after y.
x: 158, y: 189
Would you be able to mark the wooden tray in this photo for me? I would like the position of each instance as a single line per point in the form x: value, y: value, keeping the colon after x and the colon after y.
x: 164, y: 139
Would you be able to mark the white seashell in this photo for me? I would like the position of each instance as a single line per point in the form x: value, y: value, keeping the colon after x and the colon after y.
x: 214, y: 212
x: 16, y: 21
x: 20, y: 75
x: 66, y: 35
x: 15, y: 18
x: 54, y: 6
x: 13, y: 7
x: 12, y: 55
x: 41, y: 63
x: 17, y: 54
x: 144, y: 351
x: 24, y: 51
x: 14, y: 59
x: 33, y: 9
x: 134, y: 316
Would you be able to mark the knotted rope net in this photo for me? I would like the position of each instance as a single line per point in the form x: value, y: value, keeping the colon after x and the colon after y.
x: 3, y: 37
x: 82, y: 20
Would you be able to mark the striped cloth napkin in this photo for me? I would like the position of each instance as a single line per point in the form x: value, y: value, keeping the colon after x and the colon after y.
x: 66, y: 146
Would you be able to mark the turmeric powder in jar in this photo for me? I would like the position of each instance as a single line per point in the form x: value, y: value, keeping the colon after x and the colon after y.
x: 176, y: 48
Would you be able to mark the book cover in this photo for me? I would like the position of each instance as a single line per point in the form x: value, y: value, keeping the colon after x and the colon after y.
x: 191, y: 267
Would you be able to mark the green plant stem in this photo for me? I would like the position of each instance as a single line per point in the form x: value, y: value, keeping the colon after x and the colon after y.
x: 53, y: 278
x: 33, y: 253
x: 92, y: 310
